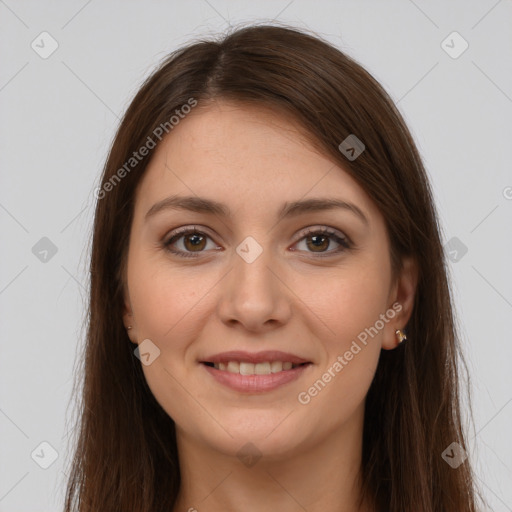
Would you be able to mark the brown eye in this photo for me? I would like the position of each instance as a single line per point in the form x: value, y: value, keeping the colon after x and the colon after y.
x: 188, y: 242
x: 194, y: 242
x: 319, y: 240
x: 317, y: 243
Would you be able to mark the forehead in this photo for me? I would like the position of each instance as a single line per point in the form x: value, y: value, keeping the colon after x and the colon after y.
x: 246, y: 156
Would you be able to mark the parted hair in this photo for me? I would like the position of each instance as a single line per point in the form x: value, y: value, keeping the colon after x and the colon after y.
x: 125, y: 457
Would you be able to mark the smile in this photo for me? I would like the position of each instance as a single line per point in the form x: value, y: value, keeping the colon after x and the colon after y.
x: 244, y: 368
x: 255, y: 377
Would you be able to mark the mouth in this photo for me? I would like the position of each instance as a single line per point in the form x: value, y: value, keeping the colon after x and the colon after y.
x: 250, y: 372
x: 248, y: 368
x: 254, y: 383
x: 255, y: 373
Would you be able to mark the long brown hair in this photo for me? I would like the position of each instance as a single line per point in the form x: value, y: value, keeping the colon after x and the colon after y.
x: 126, y: 457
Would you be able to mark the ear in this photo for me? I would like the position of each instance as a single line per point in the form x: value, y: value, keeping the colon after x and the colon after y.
x: 401, y: 300
x: 129, y: 320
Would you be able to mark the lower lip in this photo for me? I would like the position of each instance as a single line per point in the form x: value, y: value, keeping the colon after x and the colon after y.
x: 255, y: 383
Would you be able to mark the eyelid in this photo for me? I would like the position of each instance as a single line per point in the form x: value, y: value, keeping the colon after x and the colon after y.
x: 321, y: 228
x: 306, y: 231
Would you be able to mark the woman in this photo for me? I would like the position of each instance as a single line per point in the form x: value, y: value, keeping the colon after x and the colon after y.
x: 270, y: 320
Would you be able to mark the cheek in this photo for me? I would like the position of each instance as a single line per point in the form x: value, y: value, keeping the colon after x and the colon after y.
x: 164, y: 298
x: 167, y: 305
x: 350, y: 305
x: 348, y: 301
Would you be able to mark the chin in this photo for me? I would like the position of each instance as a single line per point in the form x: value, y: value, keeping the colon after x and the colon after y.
x: 250, y: 437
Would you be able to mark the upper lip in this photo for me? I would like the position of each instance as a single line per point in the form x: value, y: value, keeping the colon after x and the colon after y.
x: 255, y: 357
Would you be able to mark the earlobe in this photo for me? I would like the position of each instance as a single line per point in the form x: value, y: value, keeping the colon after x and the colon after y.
x: 402, y: 300
x: 406, y: 290
x: 130, y: 331
x: 127, y: 316
x: 128, y: 322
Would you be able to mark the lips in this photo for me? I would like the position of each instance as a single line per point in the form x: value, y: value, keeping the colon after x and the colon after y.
x: 257, y: 357
x: 255, y: 372
x: 253, y: 383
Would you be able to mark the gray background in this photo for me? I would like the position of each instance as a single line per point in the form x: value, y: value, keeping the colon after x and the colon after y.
x: 59, y: 115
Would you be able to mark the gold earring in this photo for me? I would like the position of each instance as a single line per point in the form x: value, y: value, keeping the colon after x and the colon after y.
x: 401, y: 335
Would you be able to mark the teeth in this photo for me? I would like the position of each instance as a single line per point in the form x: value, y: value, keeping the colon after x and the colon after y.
x: 262, y: 369
x: 265, y: 368
x: 233, y: 367
x: 246, y: 368
x: 276, y: 366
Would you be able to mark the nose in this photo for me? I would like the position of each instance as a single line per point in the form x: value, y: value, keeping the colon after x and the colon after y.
x: 254, y: 293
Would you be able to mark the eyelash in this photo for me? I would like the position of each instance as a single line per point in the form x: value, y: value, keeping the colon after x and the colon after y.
x: 344, y: 242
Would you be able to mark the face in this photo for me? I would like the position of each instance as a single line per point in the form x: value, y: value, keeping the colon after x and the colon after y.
x: 314, y: 284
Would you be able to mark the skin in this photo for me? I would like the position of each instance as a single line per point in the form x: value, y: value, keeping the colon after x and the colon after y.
x: 253, y: 160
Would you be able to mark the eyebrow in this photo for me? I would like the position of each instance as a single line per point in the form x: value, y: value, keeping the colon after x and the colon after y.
x: 289, y: 209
